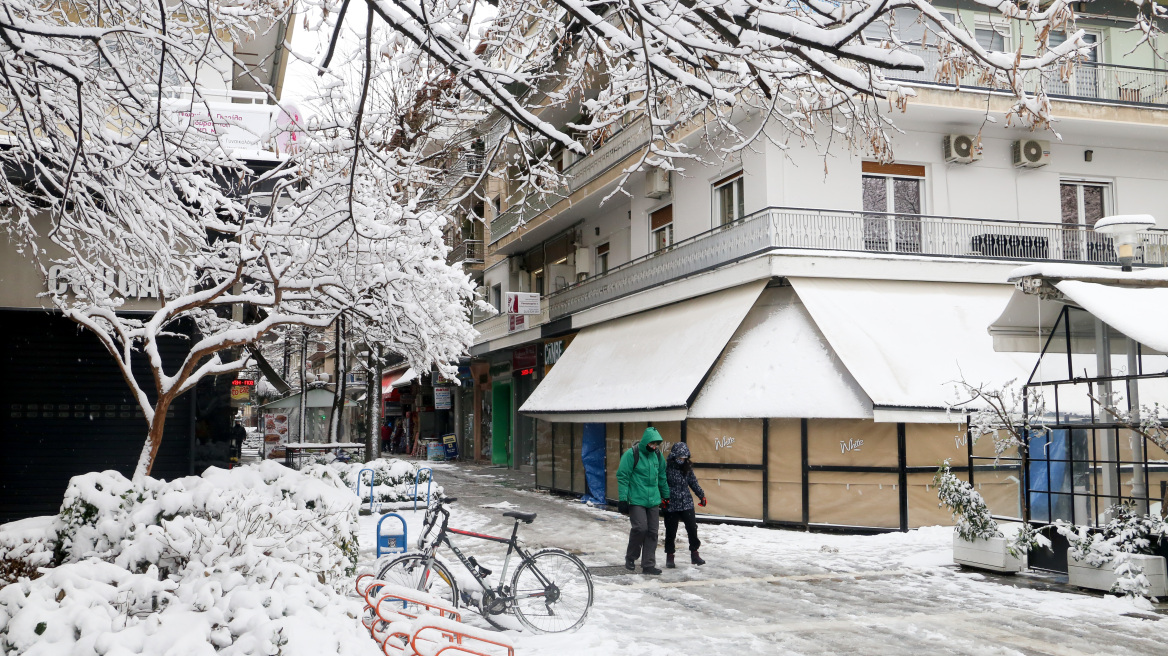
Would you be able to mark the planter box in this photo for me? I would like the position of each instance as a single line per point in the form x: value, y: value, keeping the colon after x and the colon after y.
x: 988, y: 554
x: 1102, y: 578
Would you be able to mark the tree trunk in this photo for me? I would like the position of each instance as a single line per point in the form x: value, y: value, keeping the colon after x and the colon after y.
x: 303, y: 422
x: 341, y: 371
x: 153, y: 439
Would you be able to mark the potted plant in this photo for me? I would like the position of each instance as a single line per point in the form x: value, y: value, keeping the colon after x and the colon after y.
x: 978, y: 540
x: 1118, y: 558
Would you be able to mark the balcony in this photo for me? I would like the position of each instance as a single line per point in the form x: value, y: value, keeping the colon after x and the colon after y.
x: 497, y: 326
x: 859, y: 232
x: 627, y: 141
x: 467, y: 251
x: 1110, y: 83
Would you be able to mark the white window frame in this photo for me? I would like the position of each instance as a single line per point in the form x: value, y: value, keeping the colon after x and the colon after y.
x: 1108, y: 195
x: 736, y: 182
x: 1006, y: 31
x: 602, y: 258
x: 667, y: 228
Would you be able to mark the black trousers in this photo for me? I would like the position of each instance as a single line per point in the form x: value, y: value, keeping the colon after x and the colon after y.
x: 691, y: 529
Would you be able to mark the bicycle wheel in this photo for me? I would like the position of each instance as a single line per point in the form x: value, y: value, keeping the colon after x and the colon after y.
x: 553, y: 592
x: 410, y: 572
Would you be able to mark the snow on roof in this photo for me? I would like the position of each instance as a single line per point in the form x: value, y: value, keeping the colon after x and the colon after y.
x: 1139, y: 313
x: 909, y: 343
x: 406, y: 378
x: 647, y: 361
x: 317, y: 398
x: 778, y: 364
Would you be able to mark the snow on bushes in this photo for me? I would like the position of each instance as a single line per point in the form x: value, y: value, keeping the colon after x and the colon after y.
x: 393, y: 479
x: 1128, y: 532
x: 246, y: 561
x: 968, y: 508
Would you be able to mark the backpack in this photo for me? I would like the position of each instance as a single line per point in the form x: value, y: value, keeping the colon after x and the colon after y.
x: 637, y: 456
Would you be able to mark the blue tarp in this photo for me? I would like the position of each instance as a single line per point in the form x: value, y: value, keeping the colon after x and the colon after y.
x: 1049, y: 477
x: 592, y: 455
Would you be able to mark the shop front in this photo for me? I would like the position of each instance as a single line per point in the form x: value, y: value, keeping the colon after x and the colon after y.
x: 811, y: 402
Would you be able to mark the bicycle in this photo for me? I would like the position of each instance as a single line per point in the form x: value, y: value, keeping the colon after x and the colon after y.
x: 550, y: 591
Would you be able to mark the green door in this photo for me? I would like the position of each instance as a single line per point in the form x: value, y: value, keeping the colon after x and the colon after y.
x: 501, y: 424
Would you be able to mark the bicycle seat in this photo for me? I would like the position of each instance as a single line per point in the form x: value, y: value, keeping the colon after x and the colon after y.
x: 526, y: 518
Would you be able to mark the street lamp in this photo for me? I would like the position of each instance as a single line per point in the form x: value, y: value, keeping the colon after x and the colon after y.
x: 1123, y: 228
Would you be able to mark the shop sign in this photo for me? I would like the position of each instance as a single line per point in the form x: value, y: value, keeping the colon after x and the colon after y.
x: 450, y: 443
x: 526, y: 357
x: 117, y: 282
x: 276, y: 430
x: 516, y: 322
x: 442, y: 400
x: 523, y: 303
x: 241, y: 390
x: 553, y: 351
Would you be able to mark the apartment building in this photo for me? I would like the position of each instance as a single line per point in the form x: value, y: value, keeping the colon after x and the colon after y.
x: 800, y: 317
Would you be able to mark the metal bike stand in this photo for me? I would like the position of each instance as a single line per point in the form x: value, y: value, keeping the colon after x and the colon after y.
x: 372, y: 484
x: 429, y: 482
x: 391, y: 542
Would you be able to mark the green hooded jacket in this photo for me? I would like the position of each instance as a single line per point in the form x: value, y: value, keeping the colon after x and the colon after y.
x: 644, y: 485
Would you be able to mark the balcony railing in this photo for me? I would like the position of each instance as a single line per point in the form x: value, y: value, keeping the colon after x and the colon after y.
x: 863, y: 232
x: 613, y: 151
x: 469, y: 251
x: 1089, y: 81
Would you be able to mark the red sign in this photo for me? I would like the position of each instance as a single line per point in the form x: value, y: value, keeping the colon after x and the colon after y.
x: 525, y: 358
x: 243, y: 382
x: 526, y: 372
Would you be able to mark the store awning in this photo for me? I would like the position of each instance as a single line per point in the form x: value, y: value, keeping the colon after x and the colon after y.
x: 316, y: 398
x: 643, y: 367
x: 778, y: 364
x: 909, y: 343
x: 1139, y: 313
x: 406, y: 378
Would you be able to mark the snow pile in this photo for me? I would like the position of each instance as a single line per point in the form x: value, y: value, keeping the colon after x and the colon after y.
x: 393, y: 479
x: 246, y: 561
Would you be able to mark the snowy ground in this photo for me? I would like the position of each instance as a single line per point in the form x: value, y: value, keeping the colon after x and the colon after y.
x: 767, y: 591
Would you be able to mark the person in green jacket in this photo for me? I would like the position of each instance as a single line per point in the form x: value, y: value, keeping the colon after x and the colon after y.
x: 642, y: 492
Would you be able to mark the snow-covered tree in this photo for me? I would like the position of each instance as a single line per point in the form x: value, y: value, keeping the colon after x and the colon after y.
x: 105, y: 179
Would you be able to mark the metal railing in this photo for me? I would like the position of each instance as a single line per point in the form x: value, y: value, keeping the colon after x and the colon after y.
x: 1089, y: 80
x: 628, y: 141
x: 841, y: 230
x: 467, y: 250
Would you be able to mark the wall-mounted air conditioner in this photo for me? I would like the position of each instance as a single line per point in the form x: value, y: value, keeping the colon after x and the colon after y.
x: 1031, y: 153
x: 583, y: 257
x: 961, y: 148
x: 656, y: 182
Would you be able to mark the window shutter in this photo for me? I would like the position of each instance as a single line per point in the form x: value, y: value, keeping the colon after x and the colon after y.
x: 602, y: 249
x: 661, y: 217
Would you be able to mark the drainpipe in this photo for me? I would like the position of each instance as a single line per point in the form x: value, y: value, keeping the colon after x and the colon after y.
x: 1139, y: 489
x: 278, y: 56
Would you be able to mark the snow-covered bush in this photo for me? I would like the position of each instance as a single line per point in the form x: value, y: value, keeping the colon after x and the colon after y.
x: 247, y: 561
x: 393, y: 479
x: 1126, y: 534
x: 25, y: 546
x: 974, y: 521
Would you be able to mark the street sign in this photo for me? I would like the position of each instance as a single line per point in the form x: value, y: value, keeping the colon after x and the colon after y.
x: 522, y: 303
x: 442, y: 400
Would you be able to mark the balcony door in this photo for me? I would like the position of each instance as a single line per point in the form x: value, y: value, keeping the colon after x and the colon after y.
x: 1081, y: 205
x: 893, y: 198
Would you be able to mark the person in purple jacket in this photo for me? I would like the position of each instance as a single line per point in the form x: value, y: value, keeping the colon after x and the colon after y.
x: 680, y: 475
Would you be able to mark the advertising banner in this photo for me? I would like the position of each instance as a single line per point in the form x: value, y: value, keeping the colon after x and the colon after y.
x: 442, y: 398
x: 276, y: 428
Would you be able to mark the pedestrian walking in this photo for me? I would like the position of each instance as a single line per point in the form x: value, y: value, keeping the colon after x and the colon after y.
x: 642, y: 492
x: 238, y: 435
x: 680, y: 475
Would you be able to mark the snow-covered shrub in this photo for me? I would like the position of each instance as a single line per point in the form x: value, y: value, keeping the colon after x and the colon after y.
x: 25, y: 546
x: 393, y: 479
x: 1126, y: 534
x: 247, y: 561
x: 974, y: 521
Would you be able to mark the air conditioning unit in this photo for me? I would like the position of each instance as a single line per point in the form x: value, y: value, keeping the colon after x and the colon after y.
x: 656, y: 182
x: 583, y: 257
x: 515, y: 265
x: 1031, y: 153
x: 961, y: 148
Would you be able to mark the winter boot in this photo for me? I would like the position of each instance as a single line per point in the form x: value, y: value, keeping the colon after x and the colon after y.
x: 631, y: 565
x: 669, y: 564
x: 652, y: 571
x: 695, y: 558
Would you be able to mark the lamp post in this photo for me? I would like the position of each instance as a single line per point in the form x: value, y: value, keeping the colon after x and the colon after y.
x: 1123, y: 229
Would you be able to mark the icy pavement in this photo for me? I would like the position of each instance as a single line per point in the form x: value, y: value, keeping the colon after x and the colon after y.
x: 768, y: 591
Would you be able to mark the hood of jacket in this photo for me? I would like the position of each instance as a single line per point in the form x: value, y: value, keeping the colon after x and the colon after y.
x: 650, y: 436
x: 677, y: 452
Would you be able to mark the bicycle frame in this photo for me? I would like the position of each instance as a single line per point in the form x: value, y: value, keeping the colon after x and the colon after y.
x: 512, y: 547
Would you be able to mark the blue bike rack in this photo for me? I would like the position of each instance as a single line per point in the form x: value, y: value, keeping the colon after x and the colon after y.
x: 391, y: 542
x: 429, y: 482
x: 372, y: 478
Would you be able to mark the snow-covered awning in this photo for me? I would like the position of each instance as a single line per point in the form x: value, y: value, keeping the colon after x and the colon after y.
x: 643, y: 367
x: 316, y: 398
x: 778, y: 364
x: 406, y: 378
x: 909, y: 343
x: 1139, y: 313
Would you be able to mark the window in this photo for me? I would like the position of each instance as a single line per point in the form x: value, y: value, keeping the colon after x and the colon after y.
x: 991, y: 36
x: 909, y: 26
x: 1085, y: 79
x: 1081, y: 205
x: 661, y: 228
x: 728, y: 204
x: 893, y: 197
x: 497, y: 297
x: 602, y: 259
x: 497, y: 206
